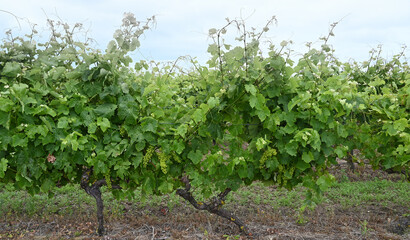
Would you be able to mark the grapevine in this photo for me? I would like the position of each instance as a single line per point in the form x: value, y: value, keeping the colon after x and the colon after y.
x: 66, y: 100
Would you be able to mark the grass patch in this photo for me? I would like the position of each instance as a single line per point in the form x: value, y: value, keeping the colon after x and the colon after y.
x: 71, y: 200
x: 383, y: 192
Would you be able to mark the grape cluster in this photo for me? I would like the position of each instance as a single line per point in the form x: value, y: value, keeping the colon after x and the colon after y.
x: 163, y: 158
x: 176, y: 157
x: 279, y: 176
x: 266, y: 155
x: 148, y: 155
x: 292, y: 170
x: 108, y: 179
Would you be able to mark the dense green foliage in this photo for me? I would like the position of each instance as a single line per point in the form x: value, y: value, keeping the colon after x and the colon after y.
x: 65, y: 107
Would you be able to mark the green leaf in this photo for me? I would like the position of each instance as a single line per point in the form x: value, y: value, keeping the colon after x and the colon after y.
x: 251, y: 89
x: 263, y: 113
x: 182, y: 130
x: 377, y: 82
x: 166, y: 187
x: 47, y: 185
x: 62, y: 122
x: 307, y: 157
x: 111, y: 47
x: 300, y: 98
x: 42, y: 110
x: 204, y: 107
x: 243, y: 171
x: 103, y: 123
x: 140, y: 146
x: 48, y: 122
x: 195, y: 156
x: 213, y: 49
x: 289, y: 117
x: 400, y: 124
x: 277, y: 63
x: 198, y: 116
x: 32, y: 130
x: 136, y: 161
x: 261, y: 143
x: 272, y: 122
x: 72, y: 139
x: 19, y: 140
x: 58, y: 72
x: 237, y: 53
x: 329, y: 138
x: 122, y: 168
x: 11, y: 69
x: 150, y: 88
x: 92, y: 127
x: 273, y: 91
x: 149, y: 124
x: 291, y: 148
x: 293, y: 103
x: 20, y: 90
x: 6, y: 104
x: 128, y: 109
x: 325, y: 181
x: 302, y: 165
x: 106, y: 110
x: 148, y: 184
x: 341, y: 151
x: 213, y: 101
x: 5, y: 119
x: 322, y: 114
x: 178, y: 146
x: 257, y: 101
x: 390, y: 129
x: 341, y: 131
x: 135, y: 43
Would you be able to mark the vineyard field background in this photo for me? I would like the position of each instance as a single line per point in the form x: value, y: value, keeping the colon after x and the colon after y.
x: 254, y: 144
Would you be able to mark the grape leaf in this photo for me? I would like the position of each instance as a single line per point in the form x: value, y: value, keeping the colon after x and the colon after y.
x: 195, y: 156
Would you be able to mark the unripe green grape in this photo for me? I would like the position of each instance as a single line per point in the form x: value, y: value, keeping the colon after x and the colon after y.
x: 108, y: 179
x: 176, y: 157
x: 266, y: 155
x: 122, y: 131
x: 148, y: 155
x: 279, y: 178
x: 163, y: 158
x: 292, y: 170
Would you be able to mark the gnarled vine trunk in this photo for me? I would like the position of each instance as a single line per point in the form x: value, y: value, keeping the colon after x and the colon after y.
x: 214, y: 206
x: 94, y: 190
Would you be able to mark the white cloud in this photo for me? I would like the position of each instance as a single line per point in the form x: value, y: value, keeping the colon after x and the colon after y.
x: 182, y: 25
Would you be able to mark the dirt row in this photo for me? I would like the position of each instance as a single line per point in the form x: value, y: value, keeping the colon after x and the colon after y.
x: 326, y: 221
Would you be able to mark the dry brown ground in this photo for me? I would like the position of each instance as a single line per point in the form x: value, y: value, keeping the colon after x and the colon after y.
x: 325, y: 222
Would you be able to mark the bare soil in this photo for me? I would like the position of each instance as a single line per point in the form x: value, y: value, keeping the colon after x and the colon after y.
x: 327, y: 221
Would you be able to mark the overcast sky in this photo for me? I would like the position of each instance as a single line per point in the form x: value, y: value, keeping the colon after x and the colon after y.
x: 182, y: 26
